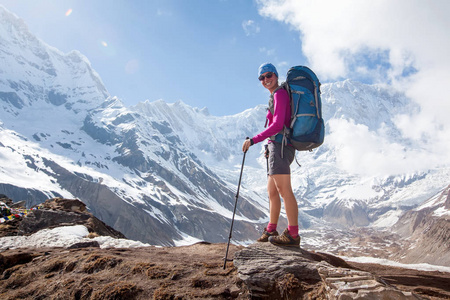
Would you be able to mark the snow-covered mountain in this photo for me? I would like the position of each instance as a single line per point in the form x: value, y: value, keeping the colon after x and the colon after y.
x: 166, y: 174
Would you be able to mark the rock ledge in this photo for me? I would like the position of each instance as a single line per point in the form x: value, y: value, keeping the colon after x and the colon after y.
x: 272, y: 272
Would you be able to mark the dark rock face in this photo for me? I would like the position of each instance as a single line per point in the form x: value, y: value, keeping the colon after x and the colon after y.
x: 84, y: 245
x: 347, y: 216
x: 98, y: 133
x: 428, y: 234
x: 447, y: 201
x: 31, y: 196
x: 11, y: 98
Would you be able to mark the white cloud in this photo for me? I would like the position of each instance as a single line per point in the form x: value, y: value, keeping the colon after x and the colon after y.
x: 334, y: 31
x: 404, y: 43
x: 372, y: 153
x: 250, y: 27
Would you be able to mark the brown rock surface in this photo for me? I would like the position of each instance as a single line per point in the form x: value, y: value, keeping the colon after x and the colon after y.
x: 143, y: 273
x: 291, y: 273
x: 196, y: 272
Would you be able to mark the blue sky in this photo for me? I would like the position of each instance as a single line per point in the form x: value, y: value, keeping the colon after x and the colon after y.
x: 203, y: 52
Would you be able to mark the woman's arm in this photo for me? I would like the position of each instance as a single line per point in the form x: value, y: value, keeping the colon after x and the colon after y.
x: 281, y: 103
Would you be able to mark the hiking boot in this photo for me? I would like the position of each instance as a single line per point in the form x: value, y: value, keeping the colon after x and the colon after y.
x: 265, y: 236
x: 285, y: 240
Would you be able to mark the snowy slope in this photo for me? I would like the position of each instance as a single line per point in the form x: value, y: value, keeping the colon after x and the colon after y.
x: 163, y: 173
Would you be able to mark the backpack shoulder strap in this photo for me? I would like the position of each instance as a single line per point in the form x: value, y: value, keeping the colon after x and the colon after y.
x: 283, y: 85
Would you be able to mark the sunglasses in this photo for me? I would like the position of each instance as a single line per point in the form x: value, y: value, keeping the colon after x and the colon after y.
x: 268, y: 75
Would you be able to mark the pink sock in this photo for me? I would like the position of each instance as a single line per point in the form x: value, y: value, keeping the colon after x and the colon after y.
x: 271, y: 227
x: 293, y: 231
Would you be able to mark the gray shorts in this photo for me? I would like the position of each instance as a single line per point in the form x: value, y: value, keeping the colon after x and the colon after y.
x: 278, y: 165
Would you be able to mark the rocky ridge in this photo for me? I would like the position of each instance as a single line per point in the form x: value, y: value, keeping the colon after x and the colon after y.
x: 259, y: 271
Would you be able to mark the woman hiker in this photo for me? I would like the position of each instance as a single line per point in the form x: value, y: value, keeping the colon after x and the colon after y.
x: 279, y: 173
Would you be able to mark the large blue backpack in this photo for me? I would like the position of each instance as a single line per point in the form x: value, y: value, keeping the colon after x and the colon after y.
x: 307, y: 129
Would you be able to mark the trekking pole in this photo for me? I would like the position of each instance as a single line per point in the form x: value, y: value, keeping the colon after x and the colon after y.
x: 266, y: 154
x: 234, y: 212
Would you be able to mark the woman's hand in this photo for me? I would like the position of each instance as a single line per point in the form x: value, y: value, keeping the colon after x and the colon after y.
x: 247, y: 143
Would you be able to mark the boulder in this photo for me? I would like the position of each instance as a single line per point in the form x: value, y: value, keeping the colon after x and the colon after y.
x: 272, y: 272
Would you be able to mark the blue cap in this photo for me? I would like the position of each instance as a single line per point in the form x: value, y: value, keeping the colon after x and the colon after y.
x: 267, y: 67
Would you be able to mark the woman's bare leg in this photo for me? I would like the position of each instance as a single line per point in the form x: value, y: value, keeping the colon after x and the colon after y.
x: 275, y: 201
x: 283, y: 187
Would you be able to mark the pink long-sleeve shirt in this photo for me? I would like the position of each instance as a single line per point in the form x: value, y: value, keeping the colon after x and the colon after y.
x: 280, y: 117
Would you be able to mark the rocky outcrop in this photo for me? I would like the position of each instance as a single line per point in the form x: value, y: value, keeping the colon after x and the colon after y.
x: 55, y: 213
x: 292, y: 273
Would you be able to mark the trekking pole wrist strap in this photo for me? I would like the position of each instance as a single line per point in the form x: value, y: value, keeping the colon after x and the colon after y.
x: 251, y: 141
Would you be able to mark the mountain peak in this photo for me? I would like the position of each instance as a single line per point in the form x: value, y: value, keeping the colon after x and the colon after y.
x: 7, y: 17
x: 41, y: 73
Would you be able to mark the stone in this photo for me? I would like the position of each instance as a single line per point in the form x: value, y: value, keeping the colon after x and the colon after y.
x: 272, y: 272
x: 84, y: 245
